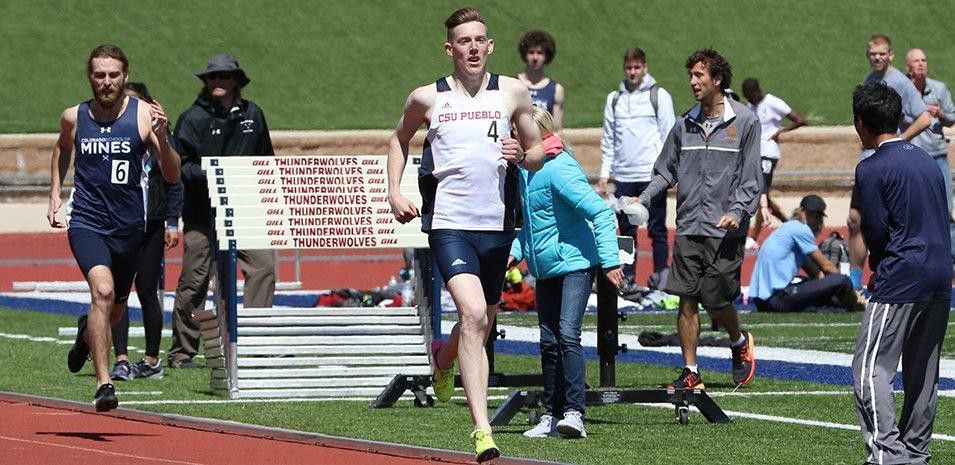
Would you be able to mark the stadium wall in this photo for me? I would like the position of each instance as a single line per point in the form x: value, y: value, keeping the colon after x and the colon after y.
x: 814, y: 158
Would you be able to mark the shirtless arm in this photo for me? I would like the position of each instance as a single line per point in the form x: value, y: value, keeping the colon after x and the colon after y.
x: 60, y: 164
x: 823, y: 263
x: 154, y: 118
x: 416, y: 112
x: 530, y: 151
x: 558, y: 108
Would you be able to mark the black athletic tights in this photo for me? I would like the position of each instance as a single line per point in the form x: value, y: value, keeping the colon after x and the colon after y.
x: 147, y: 288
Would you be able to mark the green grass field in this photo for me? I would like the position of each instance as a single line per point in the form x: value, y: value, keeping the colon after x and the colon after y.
x: 830, y: 332
x: 335, y: 65
x: 619, y: 434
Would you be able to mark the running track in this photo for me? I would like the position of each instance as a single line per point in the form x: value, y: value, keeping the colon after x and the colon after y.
x: 46, y: 257
x: 38, y: 430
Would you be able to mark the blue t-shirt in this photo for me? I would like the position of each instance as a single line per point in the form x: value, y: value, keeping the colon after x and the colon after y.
x: 912, y: 104
x: 900, y: 193
x: 780, y: 257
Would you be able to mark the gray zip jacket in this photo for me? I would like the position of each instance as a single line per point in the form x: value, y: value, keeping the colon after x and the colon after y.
x: 715, y: 175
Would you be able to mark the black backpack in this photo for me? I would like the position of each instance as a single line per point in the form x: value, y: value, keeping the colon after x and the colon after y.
x: 654, y: 98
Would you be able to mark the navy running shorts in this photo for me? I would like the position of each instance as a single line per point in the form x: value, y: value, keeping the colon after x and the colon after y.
x: 481, y: 253
x: 118, y: 253
x: 768, y: 166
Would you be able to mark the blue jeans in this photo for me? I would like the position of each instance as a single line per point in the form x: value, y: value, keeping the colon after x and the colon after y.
x: 561, y: 302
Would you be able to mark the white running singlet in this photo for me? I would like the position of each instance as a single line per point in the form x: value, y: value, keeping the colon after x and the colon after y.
x: 476, y: 189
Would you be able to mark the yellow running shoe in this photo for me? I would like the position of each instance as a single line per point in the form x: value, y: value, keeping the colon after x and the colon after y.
x: 484, y: 447
x: 442, y: 381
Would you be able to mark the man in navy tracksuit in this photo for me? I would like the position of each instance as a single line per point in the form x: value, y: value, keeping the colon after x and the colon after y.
x: 899, y: 194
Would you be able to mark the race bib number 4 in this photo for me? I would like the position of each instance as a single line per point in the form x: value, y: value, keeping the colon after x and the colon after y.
x: 120, y: 172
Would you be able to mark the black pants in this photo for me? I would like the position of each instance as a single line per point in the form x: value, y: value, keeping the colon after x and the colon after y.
x: 822, y: 292
x: 656, y: 225
x: 147, y: 288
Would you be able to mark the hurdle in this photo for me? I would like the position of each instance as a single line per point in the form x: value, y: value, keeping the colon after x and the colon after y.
x: 608, y: 346
x: 308, y: 202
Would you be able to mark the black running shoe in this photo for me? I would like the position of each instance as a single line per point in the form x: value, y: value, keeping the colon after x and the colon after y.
x: 80, y: 352
x: 142, y: 369
x: 122, y: 371
x: 105, y: 398
x: 687, y: 380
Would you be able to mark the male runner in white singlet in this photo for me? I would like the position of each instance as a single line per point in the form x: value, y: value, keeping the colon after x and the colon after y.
x: 469, y: 186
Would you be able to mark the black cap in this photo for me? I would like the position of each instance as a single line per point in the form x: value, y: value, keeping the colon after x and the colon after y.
x: 813, y: 203
x: 224, y: 63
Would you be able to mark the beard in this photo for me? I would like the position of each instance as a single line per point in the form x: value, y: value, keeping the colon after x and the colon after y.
x: 108, y: 97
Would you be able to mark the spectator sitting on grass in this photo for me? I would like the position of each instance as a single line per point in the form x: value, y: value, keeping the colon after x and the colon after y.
x: 780, y: 258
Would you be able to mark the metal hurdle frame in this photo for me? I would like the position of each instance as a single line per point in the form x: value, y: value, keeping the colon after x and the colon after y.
x: 220, y: 329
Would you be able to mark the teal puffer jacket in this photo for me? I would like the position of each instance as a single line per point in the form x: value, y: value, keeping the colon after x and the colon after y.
x: 567, y: 226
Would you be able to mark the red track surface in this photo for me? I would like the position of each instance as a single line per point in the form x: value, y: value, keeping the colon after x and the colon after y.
x: 47, y: 257
x: 46, y: 431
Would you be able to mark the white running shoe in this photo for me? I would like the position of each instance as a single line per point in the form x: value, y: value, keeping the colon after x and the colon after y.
x: 572, y: 426
x: 546, y: 427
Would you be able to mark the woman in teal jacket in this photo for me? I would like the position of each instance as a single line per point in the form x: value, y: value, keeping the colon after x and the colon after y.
x: 569, y: 234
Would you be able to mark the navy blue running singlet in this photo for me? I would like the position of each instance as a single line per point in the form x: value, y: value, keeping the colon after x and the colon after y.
x: 109, y: 183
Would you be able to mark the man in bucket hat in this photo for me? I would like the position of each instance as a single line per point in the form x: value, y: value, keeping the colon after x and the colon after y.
x: 219, y: 122
x: 793, y: 246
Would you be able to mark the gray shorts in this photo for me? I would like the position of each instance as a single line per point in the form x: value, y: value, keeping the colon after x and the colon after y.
x: 706, y: 268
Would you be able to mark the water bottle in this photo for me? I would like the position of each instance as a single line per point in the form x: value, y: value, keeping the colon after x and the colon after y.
x: 844, y: 259
x: 407, y: 294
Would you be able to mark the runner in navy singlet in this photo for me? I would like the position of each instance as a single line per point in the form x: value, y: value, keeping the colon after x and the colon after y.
x: 105, y: 216
x: 537, y: 50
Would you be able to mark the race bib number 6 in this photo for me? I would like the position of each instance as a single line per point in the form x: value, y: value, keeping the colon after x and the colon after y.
x: 120, y: 172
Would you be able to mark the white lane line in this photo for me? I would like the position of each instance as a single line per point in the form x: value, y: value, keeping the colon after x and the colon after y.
x: 795, y: 421
x: 134, y: 331
x: 260, y: 401
x: 118, y: 454
x: 777, y: 393
x: 461, y: 398
x: 139, y: 393
x: 780, y: 354
x: 750, y: 325
x: 764, y: 325
x: 27, y: 337
x: 754, y: 416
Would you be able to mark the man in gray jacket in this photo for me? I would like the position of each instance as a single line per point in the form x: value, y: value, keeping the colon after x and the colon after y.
x: 712, y: 157
x: 637, y: 118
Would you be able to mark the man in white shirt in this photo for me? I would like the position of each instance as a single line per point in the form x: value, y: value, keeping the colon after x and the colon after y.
x: 771, y: 111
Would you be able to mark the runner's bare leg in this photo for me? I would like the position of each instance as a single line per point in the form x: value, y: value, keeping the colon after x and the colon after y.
x: 474, y: 324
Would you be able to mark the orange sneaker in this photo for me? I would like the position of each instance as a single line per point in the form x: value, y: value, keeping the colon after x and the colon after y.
x: 744, y: 361
x: 687, y: 380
